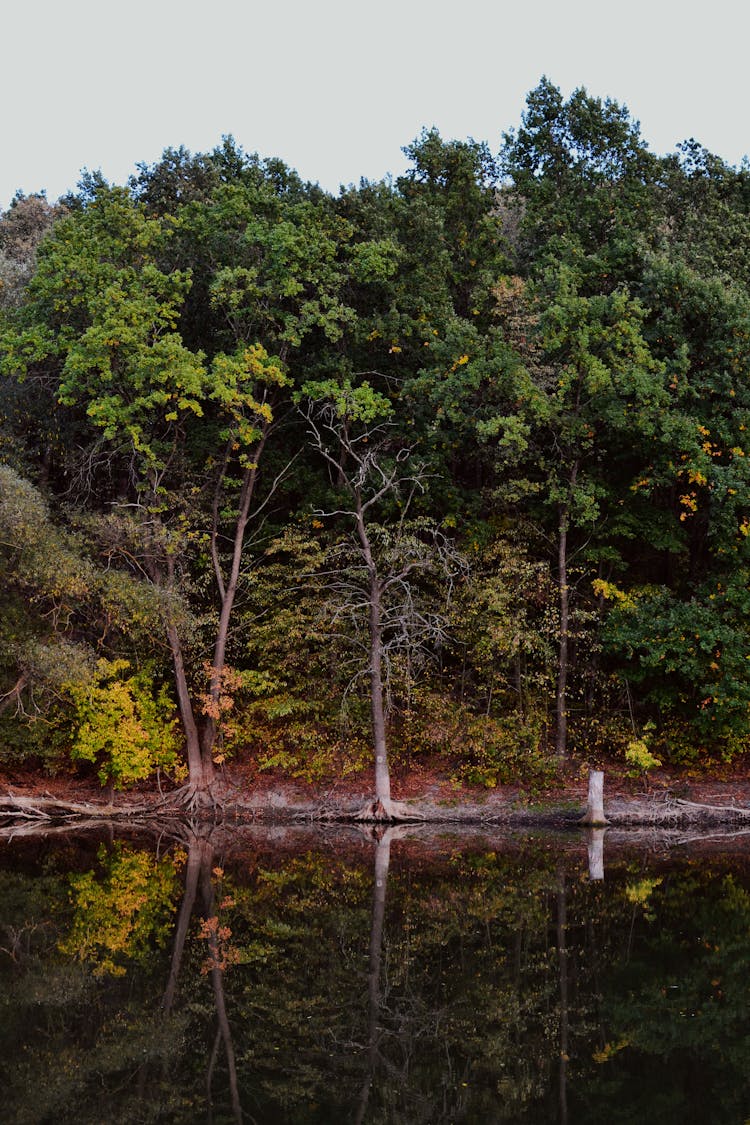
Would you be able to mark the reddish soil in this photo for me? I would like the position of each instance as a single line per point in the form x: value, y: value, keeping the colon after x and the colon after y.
x: 243, y: 785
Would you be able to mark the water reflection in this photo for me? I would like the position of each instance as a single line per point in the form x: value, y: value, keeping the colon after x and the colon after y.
x: 201, y: 873
x: 337, y: 978
x: 382, y: 839
x: 596, y: 853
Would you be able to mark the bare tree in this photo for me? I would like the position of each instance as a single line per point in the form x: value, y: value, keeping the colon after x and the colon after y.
x: 378, y: 587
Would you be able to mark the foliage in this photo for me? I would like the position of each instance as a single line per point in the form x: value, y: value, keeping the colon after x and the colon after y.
x: 122, y: 912
x: 483, y: 750
x: 214, y: 379
x: 639, y: 757
x: 123, y: 725
x: 690, y: 660
x: 503, y: 618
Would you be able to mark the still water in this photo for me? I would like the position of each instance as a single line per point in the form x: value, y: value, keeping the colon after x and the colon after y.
x: 294, y: 976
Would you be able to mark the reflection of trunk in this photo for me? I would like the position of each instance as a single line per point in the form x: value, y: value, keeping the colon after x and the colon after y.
x: 183, y: 921
x: 200, y: 864
x: 593, y: 956
x: 382, y: 861
x: 217, y: 979
x: 596, y: 854
x: 562, y: 953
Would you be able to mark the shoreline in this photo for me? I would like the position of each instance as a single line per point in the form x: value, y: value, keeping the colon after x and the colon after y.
x: 709, y: 804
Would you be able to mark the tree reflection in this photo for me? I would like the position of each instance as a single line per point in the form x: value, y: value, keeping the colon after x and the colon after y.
x: 122, y: 915
x: 200, y: 875
x: 595, y: 844
x: 562, y: 954
x: 460, y: 985
x: 382, y: 862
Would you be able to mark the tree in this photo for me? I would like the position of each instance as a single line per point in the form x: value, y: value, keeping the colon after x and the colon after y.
x: 22, y: 228
x: 373, y: 470
x: 99, y: 329
x: 586, y: 185
x: 588, y: 409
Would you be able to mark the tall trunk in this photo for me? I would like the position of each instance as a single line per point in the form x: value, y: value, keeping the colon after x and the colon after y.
x: 200, y: 771
x: 228, y: 592
x: 377, y: 704
x: 561, y: 708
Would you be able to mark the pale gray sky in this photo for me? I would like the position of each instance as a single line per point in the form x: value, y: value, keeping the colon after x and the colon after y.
x: 336, y: 87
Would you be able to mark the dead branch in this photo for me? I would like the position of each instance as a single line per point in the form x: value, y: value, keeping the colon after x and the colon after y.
x: 53, y: 808
x: 736, y: 810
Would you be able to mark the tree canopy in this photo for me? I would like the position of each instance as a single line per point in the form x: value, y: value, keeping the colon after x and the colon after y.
x: 552, y: 341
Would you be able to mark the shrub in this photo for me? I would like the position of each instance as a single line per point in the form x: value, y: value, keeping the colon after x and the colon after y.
x: 123, y: 725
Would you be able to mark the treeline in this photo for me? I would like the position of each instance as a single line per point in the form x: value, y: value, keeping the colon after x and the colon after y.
x: 456, y: 463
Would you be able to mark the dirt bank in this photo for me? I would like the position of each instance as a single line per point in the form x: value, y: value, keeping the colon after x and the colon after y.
x: 247, y: 795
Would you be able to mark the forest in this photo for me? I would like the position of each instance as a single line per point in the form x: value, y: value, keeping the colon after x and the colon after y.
x: 451, y: 466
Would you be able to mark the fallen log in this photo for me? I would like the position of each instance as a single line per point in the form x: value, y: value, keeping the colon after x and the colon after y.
x: 736, y: 810
x: 54, y: 808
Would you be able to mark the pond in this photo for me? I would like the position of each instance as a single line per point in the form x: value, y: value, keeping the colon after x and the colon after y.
x: 320, y: 976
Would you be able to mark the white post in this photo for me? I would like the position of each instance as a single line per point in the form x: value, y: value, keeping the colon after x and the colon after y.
x: 595, y: 807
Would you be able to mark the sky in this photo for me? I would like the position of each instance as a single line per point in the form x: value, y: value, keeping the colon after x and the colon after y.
x: 337, y: 87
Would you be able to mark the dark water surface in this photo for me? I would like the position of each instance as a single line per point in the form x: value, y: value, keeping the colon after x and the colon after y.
x: 284, y: 976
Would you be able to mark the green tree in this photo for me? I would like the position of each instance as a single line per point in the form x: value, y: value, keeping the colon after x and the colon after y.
x: 59, y: 608
x: 99, y: 326
x: 585, y: 186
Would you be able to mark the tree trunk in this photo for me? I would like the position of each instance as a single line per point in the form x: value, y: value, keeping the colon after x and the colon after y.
x: 377, y: 704
x: 561, y: 708
x: 228, y: 592
x: 382, y: 808
x: 200, y: 772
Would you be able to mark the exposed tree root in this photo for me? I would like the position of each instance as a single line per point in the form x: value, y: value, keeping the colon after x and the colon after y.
x: 385, y: 810
x: 195, y: 800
